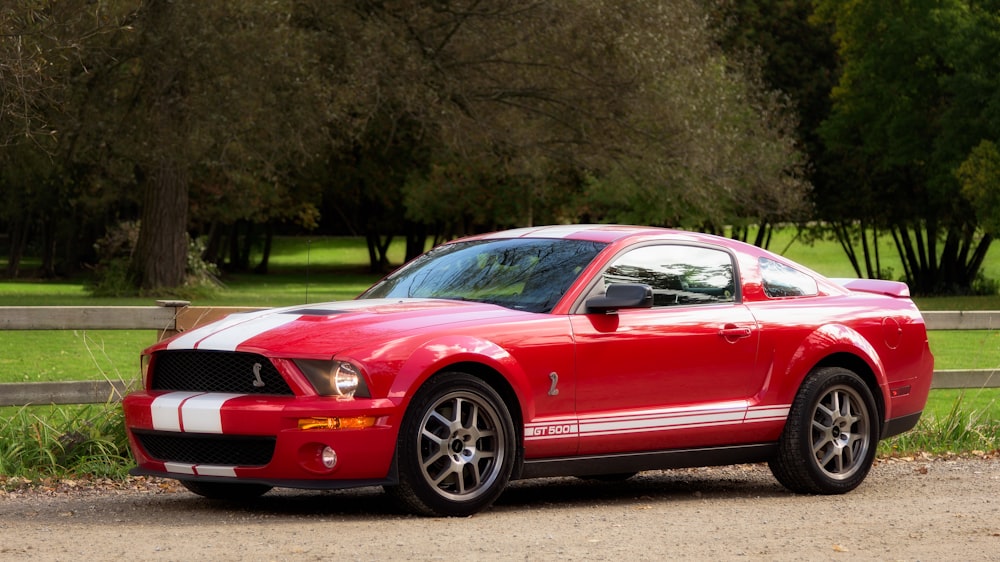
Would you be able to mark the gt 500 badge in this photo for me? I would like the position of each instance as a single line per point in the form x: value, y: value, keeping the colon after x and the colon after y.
x: 551, y: 430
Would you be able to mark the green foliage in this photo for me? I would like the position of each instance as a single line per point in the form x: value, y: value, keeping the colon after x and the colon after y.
x: 918, y: 91
x: 958, y: 430
x: 461, y: 194
x: 114, y: 277
x: 66, y: 441
x: 796, y: 54
x: 346, y: 115
x: 979, y: 175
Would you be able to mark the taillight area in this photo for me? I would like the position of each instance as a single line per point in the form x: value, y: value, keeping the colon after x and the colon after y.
x: 899, y: 392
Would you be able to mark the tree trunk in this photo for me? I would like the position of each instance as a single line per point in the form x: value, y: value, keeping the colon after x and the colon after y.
x: 48, y: 268
x: 416, y: 239
x: 160, y: 259
x: 161, y: 252
x: 234, y: 247
x: 246, y: 246
x: 266, y: 256
x: 213, y: 248
x: 378, y: 251
x: 18, y: 240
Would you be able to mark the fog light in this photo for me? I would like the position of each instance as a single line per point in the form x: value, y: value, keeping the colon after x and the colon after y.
x: 318, y: 458
x: 328, y: 457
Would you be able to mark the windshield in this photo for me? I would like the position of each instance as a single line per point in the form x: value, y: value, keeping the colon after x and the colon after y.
x: 529, y: 274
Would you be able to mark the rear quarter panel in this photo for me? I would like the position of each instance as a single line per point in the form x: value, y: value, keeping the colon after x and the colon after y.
x: 886, y: 334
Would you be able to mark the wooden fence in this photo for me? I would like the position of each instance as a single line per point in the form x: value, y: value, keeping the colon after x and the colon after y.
x: 167, y: 318
x: 171, y: 317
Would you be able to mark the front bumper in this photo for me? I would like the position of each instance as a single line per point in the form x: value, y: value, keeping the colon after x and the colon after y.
x: 256, y: 438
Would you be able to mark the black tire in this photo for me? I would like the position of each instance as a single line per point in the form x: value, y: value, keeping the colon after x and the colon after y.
x: 226, y: 490
x: 831, y: 436
x: 456, y: 448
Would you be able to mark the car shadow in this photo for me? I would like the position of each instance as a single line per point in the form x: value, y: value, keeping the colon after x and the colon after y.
x: 548, y: 493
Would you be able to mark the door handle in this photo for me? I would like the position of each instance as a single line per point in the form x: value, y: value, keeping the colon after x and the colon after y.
x: 735, y: 332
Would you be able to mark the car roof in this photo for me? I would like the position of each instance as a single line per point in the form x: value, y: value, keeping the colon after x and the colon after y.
x: 591, y: 232
x: 614, y: 233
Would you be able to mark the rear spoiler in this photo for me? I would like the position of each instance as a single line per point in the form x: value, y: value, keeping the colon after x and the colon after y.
x: 896, y: 289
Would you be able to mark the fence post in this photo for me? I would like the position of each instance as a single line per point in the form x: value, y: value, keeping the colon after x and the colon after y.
x: 178, y: 306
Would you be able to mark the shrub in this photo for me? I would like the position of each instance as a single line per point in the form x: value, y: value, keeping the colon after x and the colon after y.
x: 113, y: 277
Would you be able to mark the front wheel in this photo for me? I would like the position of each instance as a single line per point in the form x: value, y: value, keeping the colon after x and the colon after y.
x: 456, y: 447
x: 829, y: 441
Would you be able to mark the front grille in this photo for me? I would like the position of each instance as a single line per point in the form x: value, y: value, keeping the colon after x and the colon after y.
x: 229, y: 450
x: 216, y: 371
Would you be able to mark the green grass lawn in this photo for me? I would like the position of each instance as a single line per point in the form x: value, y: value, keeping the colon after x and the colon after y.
x: 318, y: 269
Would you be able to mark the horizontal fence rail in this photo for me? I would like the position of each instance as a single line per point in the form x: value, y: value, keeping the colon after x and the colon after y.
x: 166, y: 318
x: 962, y: 320
x: 171, y: 317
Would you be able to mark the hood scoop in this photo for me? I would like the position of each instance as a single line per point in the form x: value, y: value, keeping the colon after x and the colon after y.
x: 315, y: 312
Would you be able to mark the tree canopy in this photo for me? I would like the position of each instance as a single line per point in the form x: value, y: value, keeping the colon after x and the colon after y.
x: 228, y: 121
x: 918, y: 92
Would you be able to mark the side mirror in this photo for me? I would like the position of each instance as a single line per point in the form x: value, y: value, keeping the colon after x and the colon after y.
x: 622, y: 295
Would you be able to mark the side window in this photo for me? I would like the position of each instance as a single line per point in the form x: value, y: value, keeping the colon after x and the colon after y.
x: 783, y: 281
x: 679, y: 275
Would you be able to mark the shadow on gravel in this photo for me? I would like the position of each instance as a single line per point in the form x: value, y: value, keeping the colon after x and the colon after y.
x: 547, y: 493
x: 646, y: 487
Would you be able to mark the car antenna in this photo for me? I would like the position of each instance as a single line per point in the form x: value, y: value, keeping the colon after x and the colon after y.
x: 308, y: 246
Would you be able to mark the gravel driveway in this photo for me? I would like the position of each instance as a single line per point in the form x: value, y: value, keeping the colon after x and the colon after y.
x: 907, y: 509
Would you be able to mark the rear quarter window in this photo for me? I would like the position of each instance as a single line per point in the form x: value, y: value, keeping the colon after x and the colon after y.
x: 782, y: 281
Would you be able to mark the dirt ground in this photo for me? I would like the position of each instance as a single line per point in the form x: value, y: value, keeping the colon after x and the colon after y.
x: 907, y: 509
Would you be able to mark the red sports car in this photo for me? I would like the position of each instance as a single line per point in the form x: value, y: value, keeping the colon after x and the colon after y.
x: 587, y: 350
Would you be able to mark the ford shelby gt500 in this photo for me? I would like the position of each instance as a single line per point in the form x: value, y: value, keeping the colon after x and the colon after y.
x: 590, y: 350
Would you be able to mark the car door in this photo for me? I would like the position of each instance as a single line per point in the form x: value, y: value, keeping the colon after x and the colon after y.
x: 678, y: 374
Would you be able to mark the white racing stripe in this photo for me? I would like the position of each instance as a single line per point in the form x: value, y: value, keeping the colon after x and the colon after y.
x: 768, y: 413
x: 227, y: 334
x: 228, y: 339
x: 193, y: 412
x: 653, y: 421
x: 659, y: 422
x: 203, y: 413
x: 200, y: 469
x: 179, y: 468
x: 166, y: 410
x: 211, y: 470
x: 190, y: 339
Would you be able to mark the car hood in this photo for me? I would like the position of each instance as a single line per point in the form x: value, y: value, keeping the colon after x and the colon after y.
x: 326, y: 328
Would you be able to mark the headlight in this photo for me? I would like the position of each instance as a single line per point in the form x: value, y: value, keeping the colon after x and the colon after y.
x: 334, y: 378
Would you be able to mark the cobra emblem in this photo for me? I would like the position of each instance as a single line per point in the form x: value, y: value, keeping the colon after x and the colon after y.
x: 553, y: 391
x: 257, y: 381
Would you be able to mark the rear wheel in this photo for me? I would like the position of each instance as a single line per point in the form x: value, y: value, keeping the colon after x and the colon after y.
x: 226, y: 490
x: 830, y: 438
x: 456, y: 447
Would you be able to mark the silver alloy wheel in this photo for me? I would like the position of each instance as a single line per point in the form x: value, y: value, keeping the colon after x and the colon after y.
x: 461, y: 445
x: 840, y: 432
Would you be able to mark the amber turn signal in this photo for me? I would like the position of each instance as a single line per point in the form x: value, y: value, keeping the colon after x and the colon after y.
x: 360, y: 422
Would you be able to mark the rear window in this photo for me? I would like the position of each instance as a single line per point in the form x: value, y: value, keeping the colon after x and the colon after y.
x: 783, y: 281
